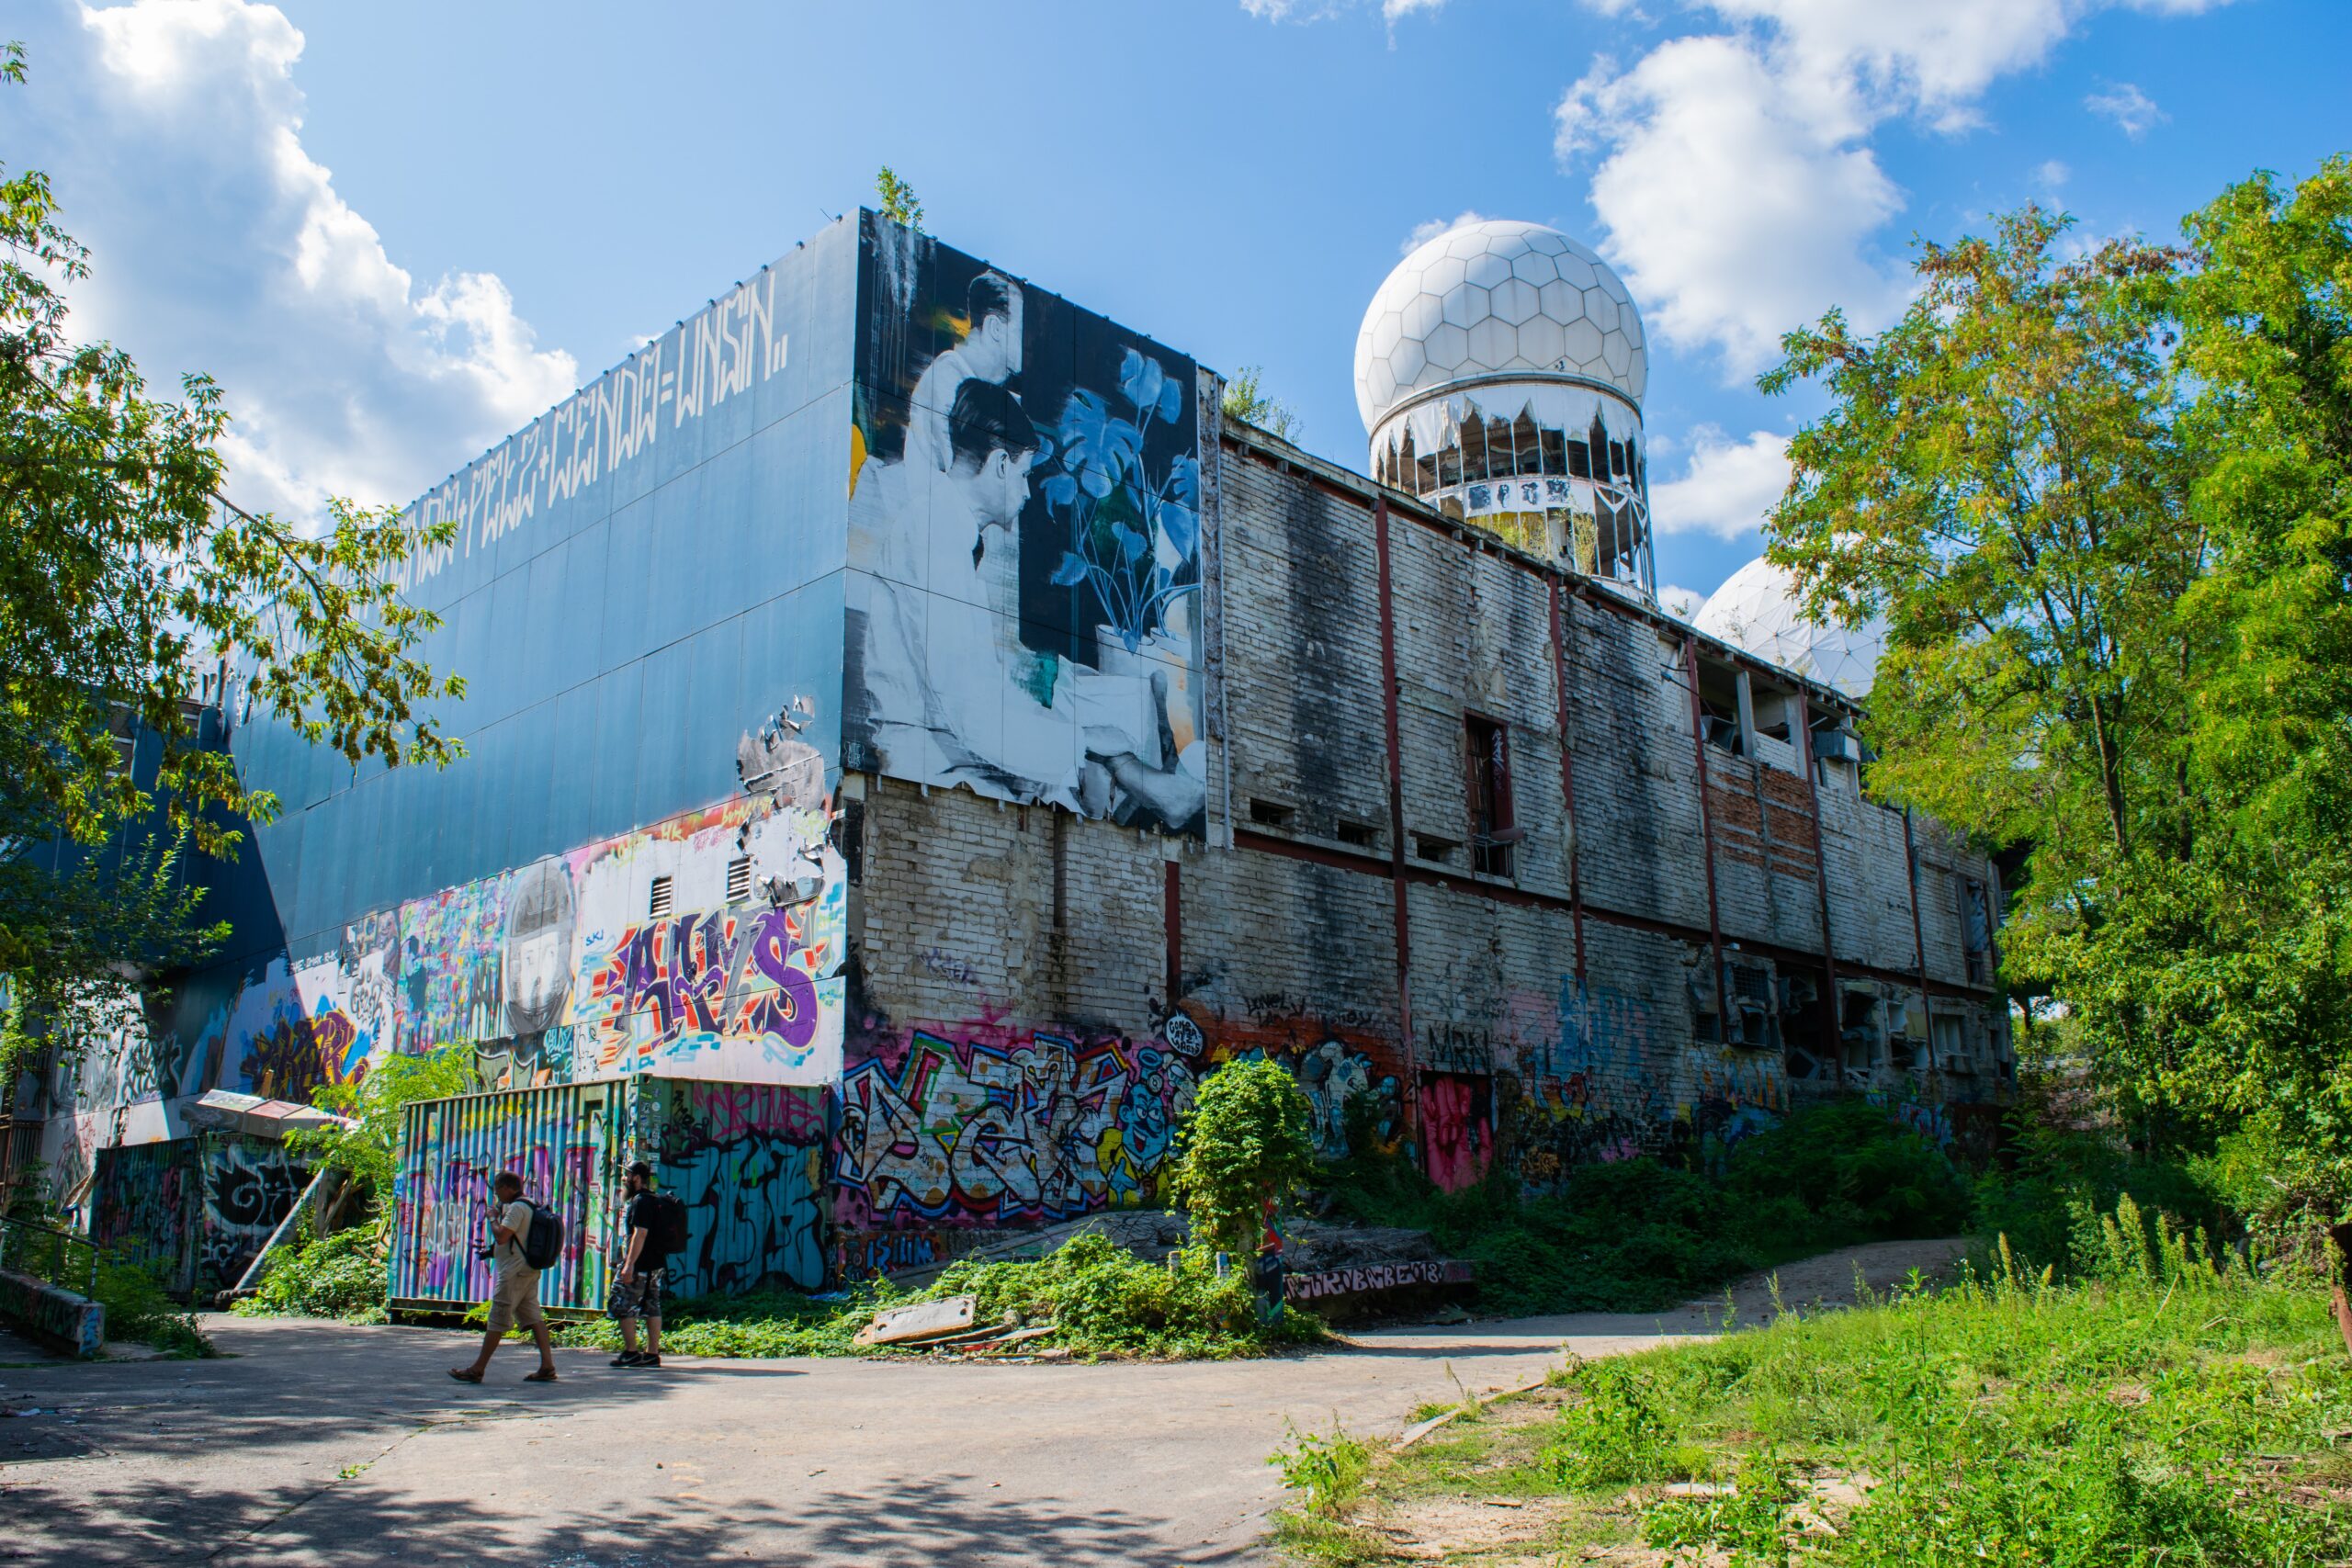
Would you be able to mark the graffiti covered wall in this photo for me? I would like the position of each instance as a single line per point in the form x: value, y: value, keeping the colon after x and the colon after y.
x: 747, y: 1160
x: 1024, y: 613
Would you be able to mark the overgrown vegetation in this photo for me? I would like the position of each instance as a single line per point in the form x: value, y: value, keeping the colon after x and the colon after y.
x: 1101, y: 1300
x: 2173, y: 1405
x: 139, y: 1310
x: 1248, y: 1146
x: 1246, y: 399
x: 1640, y: 1235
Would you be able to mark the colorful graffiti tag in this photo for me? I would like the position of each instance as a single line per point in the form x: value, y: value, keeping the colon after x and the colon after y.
x: 1038, y: 1127
x: 747, y: 1161
x: 249, y: 1186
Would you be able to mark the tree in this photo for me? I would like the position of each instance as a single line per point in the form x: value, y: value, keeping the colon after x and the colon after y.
x: 1246, y: 400
x: 2103, y: 504
x: 1247, y: 1142
x: 899, y: 200
x: 125, y: 580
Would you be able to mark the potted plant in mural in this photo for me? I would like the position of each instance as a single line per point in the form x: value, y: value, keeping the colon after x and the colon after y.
x: 1133, y: 532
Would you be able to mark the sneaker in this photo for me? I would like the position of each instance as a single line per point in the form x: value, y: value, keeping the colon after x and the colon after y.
x: 629, y: 1358
x: 647, y: 1360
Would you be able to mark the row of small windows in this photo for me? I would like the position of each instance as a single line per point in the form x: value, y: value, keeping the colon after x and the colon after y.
x: 1510, y: 448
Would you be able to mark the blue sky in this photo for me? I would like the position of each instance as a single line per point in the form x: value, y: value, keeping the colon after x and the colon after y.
x: 395, y: 233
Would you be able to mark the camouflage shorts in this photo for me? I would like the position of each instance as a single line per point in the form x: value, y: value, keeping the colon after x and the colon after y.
x: 640, y: 1297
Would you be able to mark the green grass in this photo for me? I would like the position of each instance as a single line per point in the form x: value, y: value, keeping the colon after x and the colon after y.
x: 2177, y: 1409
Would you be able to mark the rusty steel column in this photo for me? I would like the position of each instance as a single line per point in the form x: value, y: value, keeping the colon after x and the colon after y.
x: 1834, y: 1008
x: 1568, y: 778
x: 1707, y: 838
x: 1918, y: 934
x: 1396, y: 810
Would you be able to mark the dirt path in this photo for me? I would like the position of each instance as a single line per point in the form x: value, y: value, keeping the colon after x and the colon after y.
x: 325, y: 1444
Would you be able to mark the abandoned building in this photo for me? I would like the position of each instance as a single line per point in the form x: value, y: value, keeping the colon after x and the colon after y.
x: 914, y: 735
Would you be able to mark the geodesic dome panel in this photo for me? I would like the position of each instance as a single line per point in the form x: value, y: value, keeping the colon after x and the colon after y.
x: 1492, y: 298
x: 1756, y: 609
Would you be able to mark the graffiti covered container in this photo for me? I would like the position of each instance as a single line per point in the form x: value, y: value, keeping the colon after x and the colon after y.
x: 744, y: 1159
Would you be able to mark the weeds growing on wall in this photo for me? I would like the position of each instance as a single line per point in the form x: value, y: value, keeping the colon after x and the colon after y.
x: 2173, y: 1406
x: 1639, y: 1235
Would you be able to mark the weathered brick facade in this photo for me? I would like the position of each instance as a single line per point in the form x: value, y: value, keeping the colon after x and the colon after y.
x: 1558, y: 1004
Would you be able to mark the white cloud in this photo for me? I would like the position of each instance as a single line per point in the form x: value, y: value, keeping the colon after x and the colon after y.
x: 1726, y: 487
x: 2053, y: 176
x: 1682, y: 603
x: 1322, y: 10
x: 1732, y: 171
x: 2128, y: 108
x: 1424, y: 232
x: 171, y: 130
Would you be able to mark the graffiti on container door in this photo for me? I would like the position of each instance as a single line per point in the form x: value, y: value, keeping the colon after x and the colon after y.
x: 248, y: 1188
x: 1039, y: 1127
x: 140, y: 1201
x: 554, y: 1139
x: 746, y: 1160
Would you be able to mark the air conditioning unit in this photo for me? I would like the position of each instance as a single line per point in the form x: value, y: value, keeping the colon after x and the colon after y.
x: 1837, y: 746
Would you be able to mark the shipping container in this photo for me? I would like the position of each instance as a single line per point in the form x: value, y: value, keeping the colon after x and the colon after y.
x: 747, y: 1160
x: 197, y: 1211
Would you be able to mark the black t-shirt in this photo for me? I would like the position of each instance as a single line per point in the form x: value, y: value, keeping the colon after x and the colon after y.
x: 638, y: 1216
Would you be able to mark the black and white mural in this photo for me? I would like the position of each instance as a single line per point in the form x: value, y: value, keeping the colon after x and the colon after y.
x: 1024, y: 606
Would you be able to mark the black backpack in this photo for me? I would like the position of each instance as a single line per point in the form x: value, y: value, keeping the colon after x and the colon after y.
x: 543, y: 1243
x: 669, y: 1224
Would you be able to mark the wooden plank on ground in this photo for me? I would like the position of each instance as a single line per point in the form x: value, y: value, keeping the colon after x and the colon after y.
x: 920, y: 1321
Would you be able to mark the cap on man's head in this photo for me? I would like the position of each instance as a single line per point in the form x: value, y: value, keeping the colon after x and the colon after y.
x: 642, y: 1170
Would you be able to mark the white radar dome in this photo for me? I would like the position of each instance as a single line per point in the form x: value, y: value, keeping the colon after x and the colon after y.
x: 1757, y: 609
x: 1493, y: 298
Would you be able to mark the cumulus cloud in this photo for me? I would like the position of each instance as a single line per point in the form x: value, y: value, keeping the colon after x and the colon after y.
x: 1726, y: 487
x: 1424, y: 232
x: 2053, y: 176
x: 2132, y: 110
x: 1732, y: 171
x: 173, y: 132
x: 1680, y: 603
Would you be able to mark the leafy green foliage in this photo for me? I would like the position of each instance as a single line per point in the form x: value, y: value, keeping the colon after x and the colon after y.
x: 2106, y: 504
x: 139, y: 1310
x: 366, y: 1150
x: 1638, y: 1234
x: 1102, y: 1300
x: 1248, y: 1142
x: 1617, y: 1434
x: 125, y: 577
x: 897, y: 197
x: 1247, y: 399
x: 340, y: 1275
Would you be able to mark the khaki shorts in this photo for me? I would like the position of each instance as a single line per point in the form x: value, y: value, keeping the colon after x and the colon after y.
x: 515, y: 1303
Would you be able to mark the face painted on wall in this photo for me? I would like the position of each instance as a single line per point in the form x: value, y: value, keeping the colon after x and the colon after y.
x: 539, y: 947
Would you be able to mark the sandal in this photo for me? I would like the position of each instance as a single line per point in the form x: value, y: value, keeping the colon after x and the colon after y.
x: 543, y: 1375
x: 464, y: 1376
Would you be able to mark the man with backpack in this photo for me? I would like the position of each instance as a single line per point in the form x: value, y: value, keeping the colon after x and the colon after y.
x: 525, y: 1239
x: 652, y: 1227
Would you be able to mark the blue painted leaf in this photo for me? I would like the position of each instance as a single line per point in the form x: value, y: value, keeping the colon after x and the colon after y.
x: 1183, y: 526
x: 1141, y: 377
x: 1097, y: 449
x: 1132, y: 542
x: 1172, y: 400
x: 1071, y: 573
x: 1060, y: 490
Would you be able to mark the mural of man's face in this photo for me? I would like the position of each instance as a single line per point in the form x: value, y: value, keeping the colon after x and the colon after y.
x: 536, y: 967
x: 1002, y: 487
x: 993, y: 350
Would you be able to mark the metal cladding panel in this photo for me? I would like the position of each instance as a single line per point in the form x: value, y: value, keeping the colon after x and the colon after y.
x: 564, y: 1141
x: 698, y: 484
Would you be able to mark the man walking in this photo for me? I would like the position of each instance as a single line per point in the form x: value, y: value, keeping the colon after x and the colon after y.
x: 637, y: 1289
x: 516, y: 1298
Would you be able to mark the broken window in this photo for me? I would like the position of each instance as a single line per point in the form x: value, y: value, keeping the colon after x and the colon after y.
x: 1429, y: 847
x: 1555, y: 446
x: 1492, y: 831
x: 1473, y: 448
x: 1944, y: 1032
x: 1269, y: 813
x: 1976, y: 932
x: 1357, y: 835
x: 1579, y: 460
x: 1528, y: 457
x: 1719, y: 707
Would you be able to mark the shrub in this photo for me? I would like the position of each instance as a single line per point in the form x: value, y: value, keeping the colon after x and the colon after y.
x: 336, y: 1276
x: 141, y: 1311
x: 1248, y: 1142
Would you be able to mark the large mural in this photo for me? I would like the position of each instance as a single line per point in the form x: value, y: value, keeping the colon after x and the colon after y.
x: 1024, y: 606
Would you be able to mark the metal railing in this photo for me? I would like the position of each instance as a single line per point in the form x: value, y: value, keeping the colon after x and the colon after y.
x: 48, y: 1255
